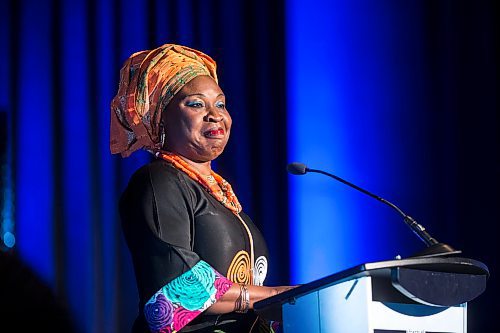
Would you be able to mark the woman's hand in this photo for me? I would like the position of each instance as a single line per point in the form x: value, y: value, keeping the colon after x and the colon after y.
x: 280, y: 289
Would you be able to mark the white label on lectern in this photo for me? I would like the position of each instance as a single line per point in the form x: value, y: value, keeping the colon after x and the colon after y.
x: 407, y: 331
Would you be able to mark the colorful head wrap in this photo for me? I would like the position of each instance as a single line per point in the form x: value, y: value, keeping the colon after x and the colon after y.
x: 148, y: 81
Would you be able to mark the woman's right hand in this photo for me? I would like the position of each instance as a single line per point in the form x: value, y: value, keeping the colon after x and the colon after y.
x: 279, y: 289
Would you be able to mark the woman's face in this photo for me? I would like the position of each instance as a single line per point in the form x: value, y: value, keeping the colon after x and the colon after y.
x: 197, y: 124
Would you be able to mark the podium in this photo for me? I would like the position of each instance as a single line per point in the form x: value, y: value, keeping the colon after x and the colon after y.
x: 421, y: 294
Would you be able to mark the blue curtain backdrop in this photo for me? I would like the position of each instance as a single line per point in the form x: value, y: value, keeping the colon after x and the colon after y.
x: 397, y: 96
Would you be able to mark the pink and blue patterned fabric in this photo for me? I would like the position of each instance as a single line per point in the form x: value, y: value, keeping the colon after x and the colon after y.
x: 184, y: 298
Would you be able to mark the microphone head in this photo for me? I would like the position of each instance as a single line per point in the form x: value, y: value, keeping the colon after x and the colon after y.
x: 296, y: 168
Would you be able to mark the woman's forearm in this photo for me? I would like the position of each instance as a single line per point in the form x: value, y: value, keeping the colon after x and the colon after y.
x: 228, y: 302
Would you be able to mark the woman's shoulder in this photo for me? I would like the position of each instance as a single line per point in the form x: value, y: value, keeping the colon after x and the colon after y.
x: 157, y: 177
x: 157, y: 171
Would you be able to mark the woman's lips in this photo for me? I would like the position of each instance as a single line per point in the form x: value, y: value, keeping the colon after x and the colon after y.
x: 214, y: 133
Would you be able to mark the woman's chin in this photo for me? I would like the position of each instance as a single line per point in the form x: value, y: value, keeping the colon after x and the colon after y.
x: 213, y: 153
x: 214, y: 150
x: 202, y: 155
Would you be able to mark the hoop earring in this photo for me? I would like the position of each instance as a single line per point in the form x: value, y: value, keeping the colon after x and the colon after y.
x: 162, y: 134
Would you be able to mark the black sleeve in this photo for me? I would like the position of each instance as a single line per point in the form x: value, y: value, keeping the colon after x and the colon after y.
x: 158, y: 222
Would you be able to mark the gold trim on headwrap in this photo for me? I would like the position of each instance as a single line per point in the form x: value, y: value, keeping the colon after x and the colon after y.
x: 148, y: 81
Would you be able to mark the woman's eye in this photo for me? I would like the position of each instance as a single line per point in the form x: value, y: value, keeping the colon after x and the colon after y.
x: 195, y: 104
x: 220, y: 105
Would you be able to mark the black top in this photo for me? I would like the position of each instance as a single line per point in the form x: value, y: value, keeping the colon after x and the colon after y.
x: 171, y: 222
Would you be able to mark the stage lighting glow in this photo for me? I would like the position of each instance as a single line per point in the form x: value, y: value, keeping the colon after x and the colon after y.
x: 9, y: 239
x: 351, y: 76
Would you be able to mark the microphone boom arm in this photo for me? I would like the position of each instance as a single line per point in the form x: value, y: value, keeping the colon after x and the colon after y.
x: 433, y: 246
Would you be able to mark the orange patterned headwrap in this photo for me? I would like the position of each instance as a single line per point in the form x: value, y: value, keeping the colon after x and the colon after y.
x: 148, y: 81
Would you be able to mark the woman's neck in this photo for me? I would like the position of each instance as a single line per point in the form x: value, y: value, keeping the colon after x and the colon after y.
x: 204, y: 168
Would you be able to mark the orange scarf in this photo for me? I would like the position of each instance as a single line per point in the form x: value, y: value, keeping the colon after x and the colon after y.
x: 223, y: 193
x: 148, y: 81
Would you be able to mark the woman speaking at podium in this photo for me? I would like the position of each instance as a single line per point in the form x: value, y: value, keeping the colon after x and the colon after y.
x: 200, y: 262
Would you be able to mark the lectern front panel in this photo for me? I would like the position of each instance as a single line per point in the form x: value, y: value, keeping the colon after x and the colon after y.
x: 302, y: 315
x: 348, y: 307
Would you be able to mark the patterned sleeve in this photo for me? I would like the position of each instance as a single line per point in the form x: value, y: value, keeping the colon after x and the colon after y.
x: 184, y: 298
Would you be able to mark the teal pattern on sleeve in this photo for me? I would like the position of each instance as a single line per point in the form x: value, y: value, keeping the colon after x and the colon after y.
x: 184, y: 298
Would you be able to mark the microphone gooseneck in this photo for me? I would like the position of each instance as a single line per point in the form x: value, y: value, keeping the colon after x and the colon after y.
x: 434, y: 247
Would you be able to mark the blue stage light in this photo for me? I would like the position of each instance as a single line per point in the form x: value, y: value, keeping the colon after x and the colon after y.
x: 354, y: 79
x: 9, y: 239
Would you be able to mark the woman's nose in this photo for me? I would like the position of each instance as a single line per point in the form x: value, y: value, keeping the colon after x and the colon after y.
x: 214, y: 115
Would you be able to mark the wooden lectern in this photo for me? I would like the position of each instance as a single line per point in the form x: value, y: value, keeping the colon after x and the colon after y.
x: 417, y: 295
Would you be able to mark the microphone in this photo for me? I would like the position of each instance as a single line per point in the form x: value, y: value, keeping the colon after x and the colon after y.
x: 434, y: 248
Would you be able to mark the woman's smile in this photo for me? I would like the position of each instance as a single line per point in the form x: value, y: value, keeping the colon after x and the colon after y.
x: 215, y: 133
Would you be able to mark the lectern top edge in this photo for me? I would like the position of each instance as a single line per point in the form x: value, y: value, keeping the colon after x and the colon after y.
x: 439, y: 264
